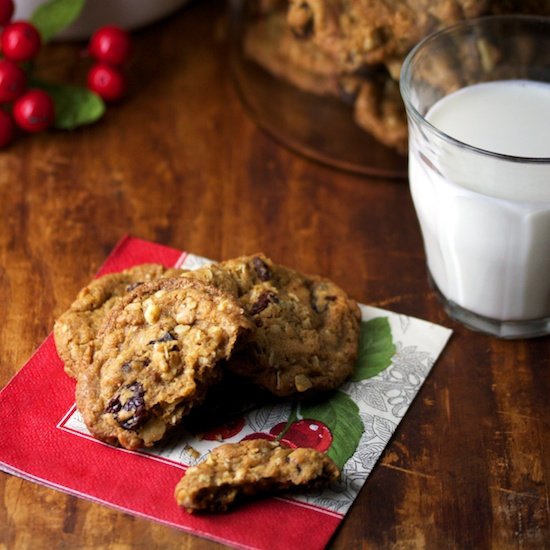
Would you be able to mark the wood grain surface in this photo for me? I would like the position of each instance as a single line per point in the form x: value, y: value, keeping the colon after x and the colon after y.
x: 179, y: 162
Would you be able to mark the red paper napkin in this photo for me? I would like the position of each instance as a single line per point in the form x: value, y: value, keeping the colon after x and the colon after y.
x: 37, y: 443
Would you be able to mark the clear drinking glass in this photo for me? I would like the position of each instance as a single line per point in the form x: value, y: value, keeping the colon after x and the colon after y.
x: 484, y: 216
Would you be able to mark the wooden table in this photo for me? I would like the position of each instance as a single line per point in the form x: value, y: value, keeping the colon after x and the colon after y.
x: 179, y: 162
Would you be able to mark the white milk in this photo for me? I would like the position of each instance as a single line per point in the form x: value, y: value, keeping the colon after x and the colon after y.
x: 486, y: 220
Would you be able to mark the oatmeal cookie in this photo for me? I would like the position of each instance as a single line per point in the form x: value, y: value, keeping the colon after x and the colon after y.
x: 250, y: 467
x: 307, y: 328
x: 160, y: 351
x: 75, y: 330
x: 365, y: 32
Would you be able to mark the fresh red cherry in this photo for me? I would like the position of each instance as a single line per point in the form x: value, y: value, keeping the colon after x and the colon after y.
x: 306, y: 433
x: 107, y: 82
x: 7, y: 129
x: 13, y: 81
x: 110, y: 45
x: 34, y: 111
x: 6, y: 11
x: 20, y: 41
x: 228, y: 429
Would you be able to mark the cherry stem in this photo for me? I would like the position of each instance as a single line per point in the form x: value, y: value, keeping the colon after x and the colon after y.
x: 291, y: 419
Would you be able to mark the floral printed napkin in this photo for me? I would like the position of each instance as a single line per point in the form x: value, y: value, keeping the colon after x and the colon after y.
x: 49, y: 443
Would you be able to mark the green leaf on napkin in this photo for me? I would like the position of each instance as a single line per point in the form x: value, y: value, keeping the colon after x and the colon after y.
x: 74, y: 106
x: 53, y: 16
x: 376, y: 349
x: 340, y: 415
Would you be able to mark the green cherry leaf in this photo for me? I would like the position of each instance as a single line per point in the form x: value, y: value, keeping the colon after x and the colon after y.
x: 74, y: 106
x: 53, y: 16
x: 376, y: 349
x: 340, y: 415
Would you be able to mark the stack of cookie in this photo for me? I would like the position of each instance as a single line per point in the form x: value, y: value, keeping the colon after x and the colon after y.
x: 354, y: 49
x: 146, y: 345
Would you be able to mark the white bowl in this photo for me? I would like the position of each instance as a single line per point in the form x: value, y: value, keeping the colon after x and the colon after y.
x: 128, y: 14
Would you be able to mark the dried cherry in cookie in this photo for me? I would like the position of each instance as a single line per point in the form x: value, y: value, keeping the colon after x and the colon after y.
x: 262, y: 302
x: 262, y: 269
x: 161, y: 351
x: 128, y: 406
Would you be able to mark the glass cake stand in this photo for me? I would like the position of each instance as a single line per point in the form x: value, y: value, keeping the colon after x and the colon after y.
x: 318, y: 127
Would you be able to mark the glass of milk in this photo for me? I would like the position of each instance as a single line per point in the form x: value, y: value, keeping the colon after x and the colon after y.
x: 478, y: 103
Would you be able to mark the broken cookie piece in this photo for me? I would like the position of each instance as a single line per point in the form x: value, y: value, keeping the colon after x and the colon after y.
x: 248, y: 468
